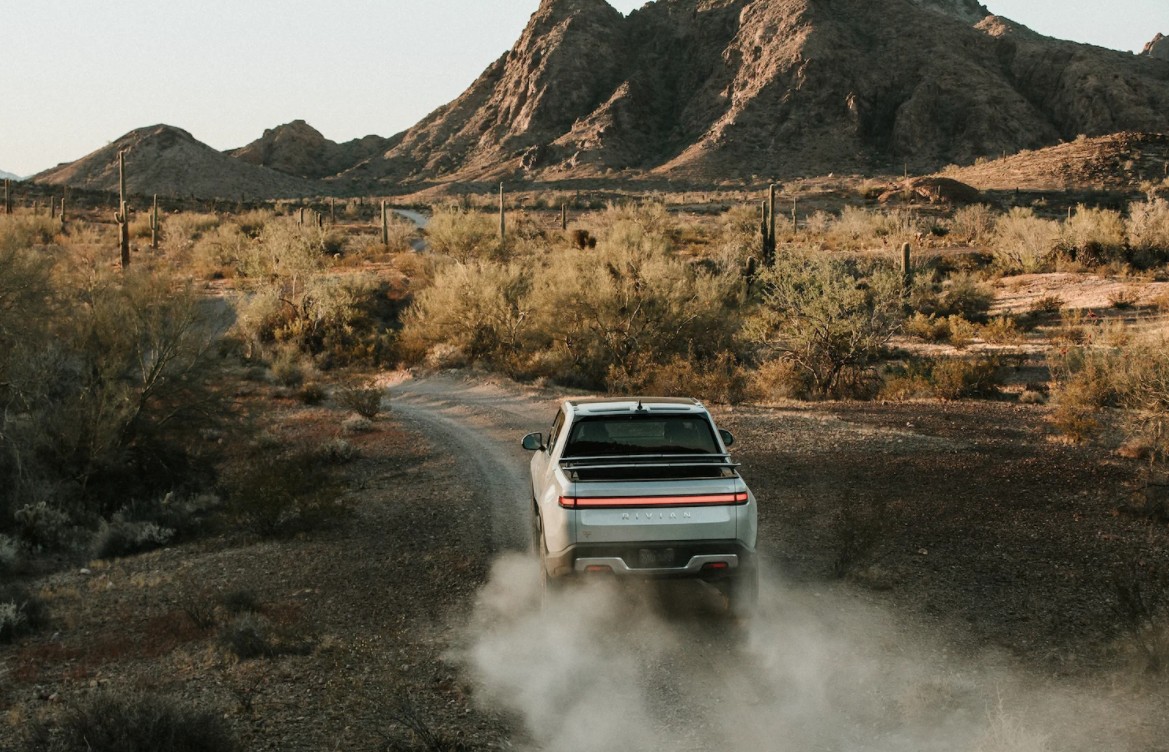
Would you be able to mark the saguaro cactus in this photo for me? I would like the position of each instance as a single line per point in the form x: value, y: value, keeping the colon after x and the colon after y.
x: 7, y: 198
x: 502, y: 221
x: 385, y: 225
x: 564, y: 217
x: 332, y: 210
x: 767, y: 227
x: 122, y: 215
x: 906, y: 264
x: 154, y: 226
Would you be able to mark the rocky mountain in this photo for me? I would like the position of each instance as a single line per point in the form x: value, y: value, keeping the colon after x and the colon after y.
x: 297, y: 148
x: 169, y: 161
x: 8, y: 176
x: 1158, y: 48
x: 715, y: 89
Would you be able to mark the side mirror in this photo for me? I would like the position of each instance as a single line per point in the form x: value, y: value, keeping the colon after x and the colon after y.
x: 534, y: 442
x: 727, y: 437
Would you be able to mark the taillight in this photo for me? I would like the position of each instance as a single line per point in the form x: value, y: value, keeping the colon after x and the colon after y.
x: 616, y: 502
x: 712, y: 566
x: 598, y: 569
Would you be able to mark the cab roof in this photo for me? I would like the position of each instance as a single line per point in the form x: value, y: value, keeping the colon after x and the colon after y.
x: 616, y: 405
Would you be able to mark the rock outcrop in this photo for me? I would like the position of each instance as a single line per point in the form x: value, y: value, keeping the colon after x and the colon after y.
x: 297, y: 148
x: 1158, y: 48
x: 169, y: 161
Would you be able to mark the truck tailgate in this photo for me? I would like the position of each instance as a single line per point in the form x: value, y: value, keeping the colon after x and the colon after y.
x: 660, y: 511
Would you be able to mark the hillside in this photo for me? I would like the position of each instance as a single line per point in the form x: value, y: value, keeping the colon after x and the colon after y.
x: 1122, y: 160
x: 714, y: 89
x: 297, y: 148
x: 8, y: 176
x: 169, y: 161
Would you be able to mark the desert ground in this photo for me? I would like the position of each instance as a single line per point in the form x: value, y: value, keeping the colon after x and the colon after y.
x: 940, y: 576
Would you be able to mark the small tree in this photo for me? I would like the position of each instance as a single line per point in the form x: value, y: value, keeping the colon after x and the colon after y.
x: 827, y: 315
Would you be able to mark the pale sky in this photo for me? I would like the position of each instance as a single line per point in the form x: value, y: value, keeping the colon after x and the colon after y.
x: 77, y: 74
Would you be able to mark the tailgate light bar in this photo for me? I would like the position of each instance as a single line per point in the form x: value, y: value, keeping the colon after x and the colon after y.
x: 618, y: 502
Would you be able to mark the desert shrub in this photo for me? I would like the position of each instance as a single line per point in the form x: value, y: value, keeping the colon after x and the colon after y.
x: 957, y: 378
x: 1148, y: 231
x: 311, y: 393
x: 481, y: 310
x: 276, y: 494
x: 249, y: 636
x: 252, y: 222
x: 778, y: 379
x: 353, y: 424
x: 21, y: 613
x: 1023, y: 242
x: 182, y: 229
x: 1124, y: 298
x: 929, y: 328
x: 20, y: 232
x: 605, y: 316
x: 10, y: 554
x: 1001, y: 330
x: 947, y: 378
x: 132, y: 723
x: 1093, y: 236
x: 338, y: 319
x: 1047, y: 304
x: 284, y: 250
x: 463, y: 235
x: 288, y: 367
x: 366, y: 401
x: 826, y: 315
x: 638, y: 227
x: 974, y: 223
x: 120, y: 536
x: 965, y: 295
x: 719, y: 379
x: 216, y: 252
x: 45, y: 526
x: 338, y: 451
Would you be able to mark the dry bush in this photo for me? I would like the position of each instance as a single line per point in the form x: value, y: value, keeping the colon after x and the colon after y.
x: 719, y: 380
x: 249, y: 636
x: 957, y: 378
x: 603, y: 316
x: 21, y: 613
x: 947, y: 378
x: 480, y: 310
x: 463, y: 235
x: 827, y: 316
x: 974, y: 223
x: 182, y: 229
x: 216, y: 253
x: 1001, y: 330
x: 1124, y: 298
x: 928, y: 328
x: 1093, y: 236
x: 114, y: 384
x: 339, y: 320
x: 284, y: 250
x: 777, y: 379
x: 252, y: 222
x: 364, y: 400
x: 277, y: 495
x: 965, y: 295
x: 1047, y: 304
x: 132, y: 723
x: 1024, y: 242
x: 1148, y: 231
x: 19, y: 232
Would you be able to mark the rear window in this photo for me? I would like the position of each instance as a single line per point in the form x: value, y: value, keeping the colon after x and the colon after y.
x: 641, y: 434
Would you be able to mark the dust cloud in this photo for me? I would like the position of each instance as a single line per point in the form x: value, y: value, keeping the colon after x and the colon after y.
x: 608, y: 665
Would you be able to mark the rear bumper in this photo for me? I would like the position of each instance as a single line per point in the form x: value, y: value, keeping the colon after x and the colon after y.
x: 708, y: 560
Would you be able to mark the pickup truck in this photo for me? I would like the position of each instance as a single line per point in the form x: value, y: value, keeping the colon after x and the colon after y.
x: 642, y: 487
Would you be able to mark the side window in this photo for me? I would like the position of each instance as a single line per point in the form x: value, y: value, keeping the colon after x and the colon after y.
x: 557, y: 425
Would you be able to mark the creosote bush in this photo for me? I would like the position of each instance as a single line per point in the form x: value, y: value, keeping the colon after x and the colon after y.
x: 1024, y: 242
x: 831, y: 318
x: 132, y: 723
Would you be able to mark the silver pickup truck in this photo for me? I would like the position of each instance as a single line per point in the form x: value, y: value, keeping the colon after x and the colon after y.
x: 642, y: 487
